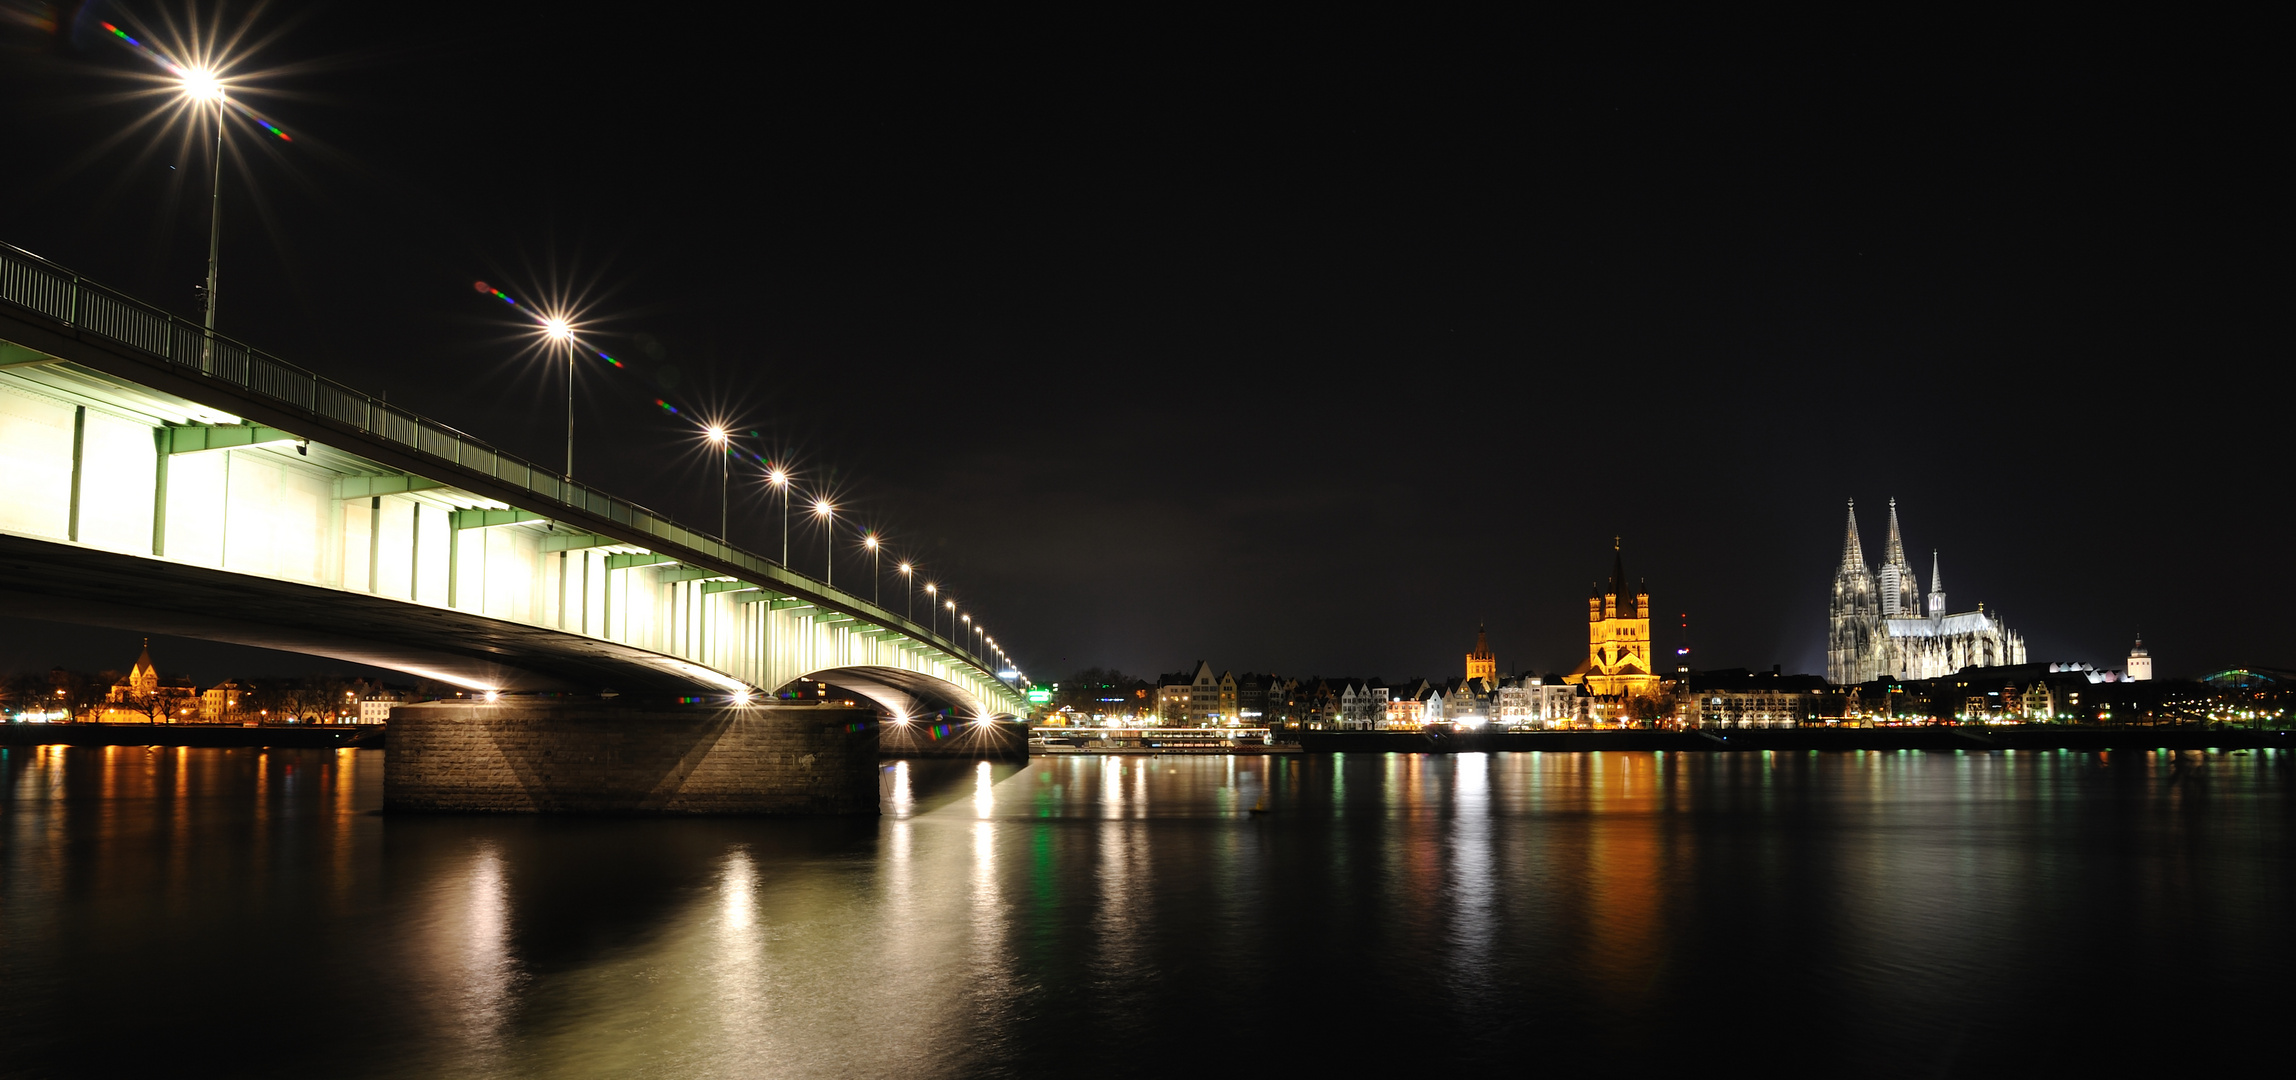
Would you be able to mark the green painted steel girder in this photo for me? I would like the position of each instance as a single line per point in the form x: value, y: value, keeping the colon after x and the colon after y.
x: 367, y: 487
x: 726, y: 586
x: 574, y: 541
x: 689, y: 574
x: 791, y: 604
x: 13, y: 355
x: 194, y: 438
x: 484, y: 519
x: 632, y: 561
x: 760, y: 597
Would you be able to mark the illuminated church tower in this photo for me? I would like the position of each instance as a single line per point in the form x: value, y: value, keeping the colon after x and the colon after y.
x: 1853, y: 631
x: 1482, y: 663
x: 1900, y: 592
x: 1880, y: 626
x: 1618, y: 637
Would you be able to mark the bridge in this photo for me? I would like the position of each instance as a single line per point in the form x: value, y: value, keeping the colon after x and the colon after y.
x: 156, y: 476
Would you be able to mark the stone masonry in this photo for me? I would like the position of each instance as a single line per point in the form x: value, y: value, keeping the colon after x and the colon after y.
x: 546, y: 757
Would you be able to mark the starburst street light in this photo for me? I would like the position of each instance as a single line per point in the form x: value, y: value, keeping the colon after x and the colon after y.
x: 201, y: 88
x: 827, y: 514
x: 909, y: 585
x: 558, y: 330
x: 717, y: 436
x: 779, y: 478
x: 196, y: 76
x: 869, y: 540
x: 933, y: 601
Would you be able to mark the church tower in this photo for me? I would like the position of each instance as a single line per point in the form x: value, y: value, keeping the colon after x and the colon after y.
x: 1853, y: 637
x: 1618, y: 637
x: 1936, y: 588
x: 1482, y: 664
x: 1900, y: 591
x: 143, y: 678
x: 2140, y: 662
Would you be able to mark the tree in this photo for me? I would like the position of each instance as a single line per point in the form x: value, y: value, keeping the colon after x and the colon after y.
x: 1085, y: 691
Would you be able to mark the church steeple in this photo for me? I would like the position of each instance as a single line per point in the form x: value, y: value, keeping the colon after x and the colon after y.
x: 1936, y: 588
x: 1853, y: 550
x: 1900, y: 592
x: 1482, y: 663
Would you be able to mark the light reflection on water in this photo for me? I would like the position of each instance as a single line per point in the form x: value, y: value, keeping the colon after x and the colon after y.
x: 1878, y: 913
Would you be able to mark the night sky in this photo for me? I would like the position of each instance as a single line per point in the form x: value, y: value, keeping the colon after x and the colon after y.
x: 1284, y: 346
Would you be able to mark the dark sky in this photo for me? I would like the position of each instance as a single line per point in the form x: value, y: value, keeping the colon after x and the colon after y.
x: 1288, y: 346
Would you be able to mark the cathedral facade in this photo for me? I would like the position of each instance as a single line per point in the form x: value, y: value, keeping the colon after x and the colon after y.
x: 1880, y: 626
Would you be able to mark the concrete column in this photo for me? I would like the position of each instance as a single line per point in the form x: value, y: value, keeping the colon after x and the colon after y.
x: 601, y: 758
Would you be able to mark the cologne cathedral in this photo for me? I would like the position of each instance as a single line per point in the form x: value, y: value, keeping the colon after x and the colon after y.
x: 1881, y: 627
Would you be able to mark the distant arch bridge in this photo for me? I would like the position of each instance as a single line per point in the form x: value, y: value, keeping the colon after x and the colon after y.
x: 154, y: 476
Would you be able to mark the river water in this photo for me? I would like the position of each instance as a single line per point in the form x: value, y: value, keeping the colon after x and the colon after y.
x: 1921, y: 914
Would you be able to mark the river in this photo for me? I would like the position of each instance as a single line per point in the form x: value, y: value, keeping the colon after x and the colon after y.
x: 1881, y: 913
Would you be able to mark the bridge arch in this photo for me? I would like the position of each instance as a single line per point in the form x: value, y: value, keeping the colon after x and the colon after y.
x: 902, y: 693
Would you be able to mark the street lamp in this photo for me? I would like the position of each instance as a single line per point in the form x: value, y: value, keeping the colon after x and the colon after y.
x: 933, y: 601
x: 202, y: 87
x: 780, y: 481
x: 556, y: 328
x: 876, y: 587
x: 828, y: 515
x: 725, y: 479
x: 952, y: 606
x: 909, y: 585
x: 967, y: 644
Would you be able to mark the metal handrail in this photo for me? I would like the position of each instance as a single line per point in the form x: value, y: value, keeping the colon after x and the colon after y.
x: 44, y: 288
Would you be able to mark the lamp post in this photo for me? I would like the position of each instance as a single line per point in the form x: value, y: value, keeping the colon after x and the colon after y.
x: 725, y: 481
x: 780, y: 481
x: 952, y: 606
x: 559, y: 330
x: 876, y: 579
x: 828, y: 516
x: 933, y: 601
x: 909, y: 586
x: 201, y: 85
x: 967, y: 643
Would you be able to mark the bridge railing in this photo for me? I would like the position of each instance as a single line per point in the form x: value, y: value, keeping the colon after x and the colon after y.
x: 37, y: 285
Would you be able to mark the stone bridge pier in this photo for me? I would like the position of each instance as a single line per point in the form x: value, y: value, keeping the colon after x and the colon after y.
x: 590, y: 757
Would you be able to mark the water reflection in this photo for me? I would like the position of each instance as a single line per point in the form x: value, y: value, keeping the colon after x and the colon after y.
x: 1132, y: 916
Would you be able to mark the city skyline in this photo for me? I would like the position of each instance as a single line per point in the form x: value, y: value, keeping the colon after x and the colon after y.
x: 1751, y: 339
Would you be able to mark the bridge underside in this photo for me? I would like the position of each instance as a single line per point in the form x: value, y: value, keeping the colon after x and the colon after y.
x: 68, y: 583
x: 907, y: 695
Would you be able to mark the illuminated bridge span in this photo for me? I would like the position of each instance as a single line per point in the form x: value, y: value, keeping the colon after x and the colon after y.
x: 153, y: 476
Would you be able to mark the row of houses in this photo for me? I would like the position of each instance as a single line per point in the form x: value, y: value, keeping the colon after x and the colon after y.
x: 1204, y: 698
x: 1732, y: 698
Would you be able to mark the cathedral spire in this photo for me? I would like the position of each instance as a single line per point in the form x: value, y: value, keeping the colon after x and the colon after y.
x: 1896, y: 553
x: 1936, y: 588
x: 1853, y: 552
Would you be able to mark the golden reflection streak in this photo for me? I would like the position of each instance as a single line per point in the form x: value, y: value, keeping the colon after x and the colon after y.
x: 1625, y: 864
